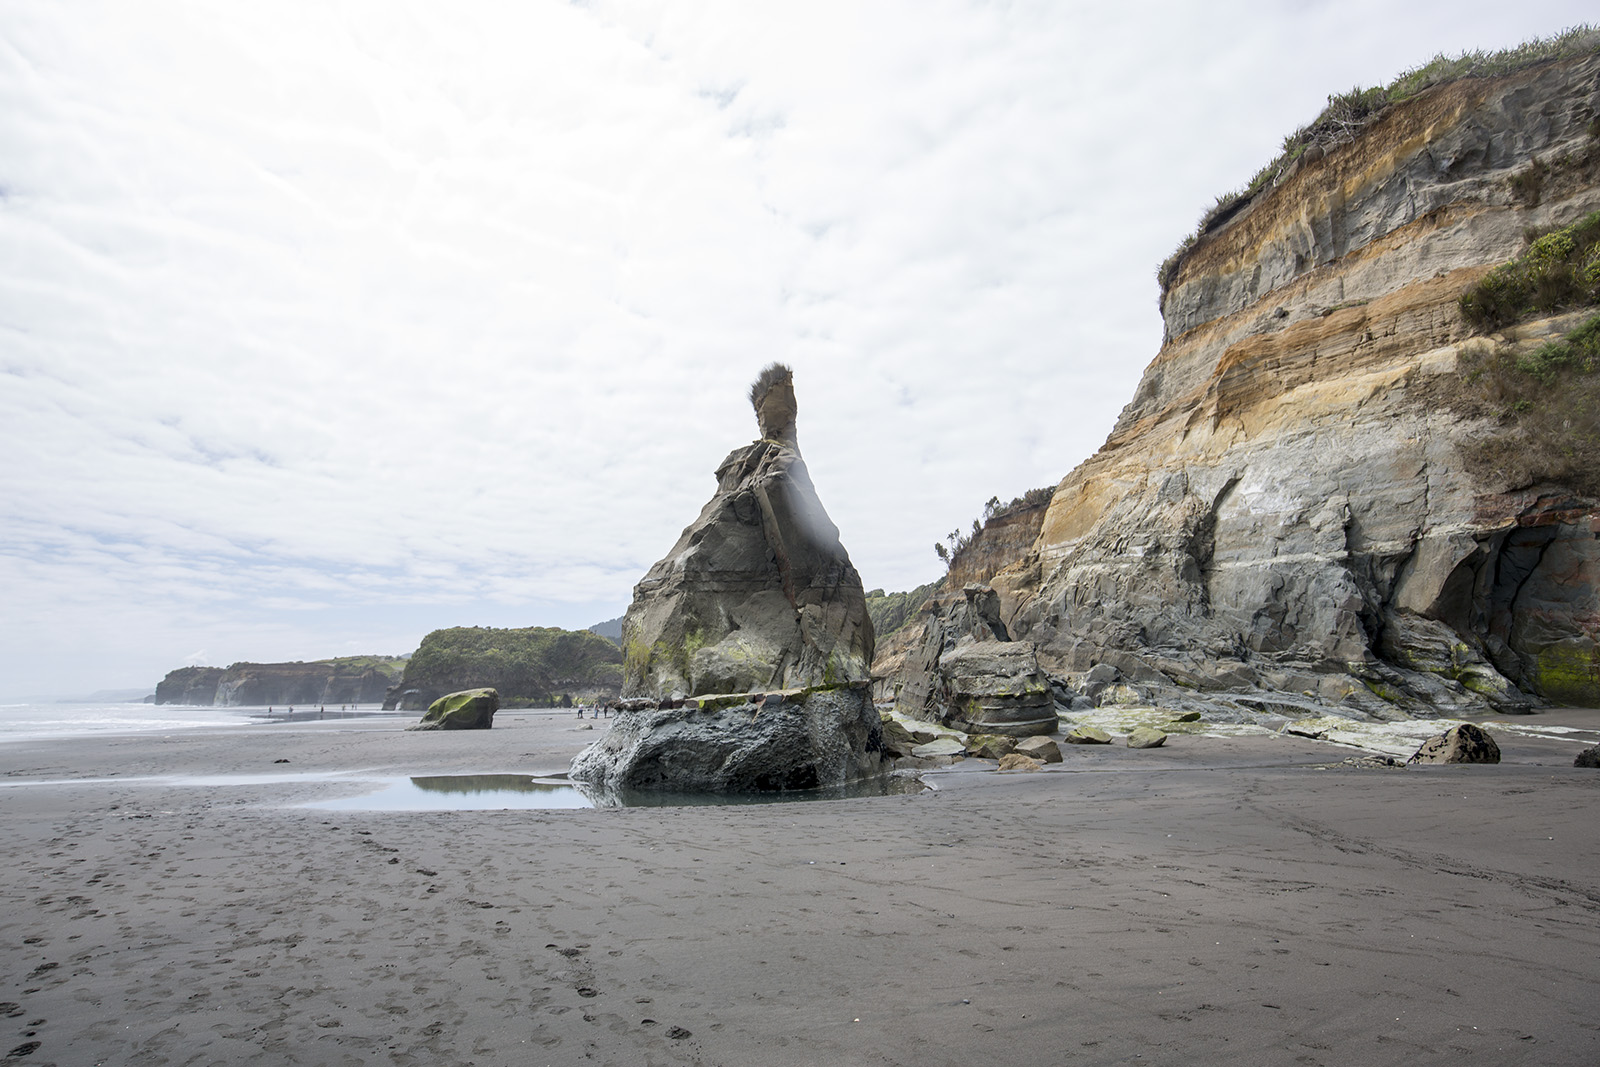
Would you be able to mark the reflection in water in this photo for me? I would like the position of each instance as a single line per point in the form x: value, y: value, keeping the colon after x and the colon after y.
x: 881, y: 786
x: 460, y: 792
x: 488, y: 792
x: 486, y: 783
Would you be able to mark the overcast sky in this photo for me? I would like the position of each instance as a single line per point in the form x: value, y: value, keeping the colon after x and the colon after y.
x: 326, y: 324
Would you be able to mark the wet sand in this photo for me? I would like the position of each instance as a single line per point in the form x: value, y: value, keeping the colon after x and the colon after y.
x: 1217, y: 901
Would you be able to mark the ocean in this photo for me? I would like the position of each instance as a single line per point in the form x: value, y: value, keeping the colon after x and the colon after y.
x: 34, y: 722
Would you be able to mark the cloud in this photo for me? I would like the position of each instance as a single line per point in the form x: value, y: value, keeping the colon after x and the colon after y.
x: 327, y: 324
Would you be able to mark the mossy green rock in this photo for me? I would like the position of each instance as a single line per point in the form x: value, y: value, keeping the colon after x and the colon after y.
x: 1187, y: 716
x: 1145, y: 737
x: 470, y: 709
x: 1087, y: 735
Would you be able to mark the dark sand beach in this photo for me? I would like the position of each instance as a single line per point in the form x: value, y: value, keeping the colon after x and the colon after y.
x: 1217, y: 901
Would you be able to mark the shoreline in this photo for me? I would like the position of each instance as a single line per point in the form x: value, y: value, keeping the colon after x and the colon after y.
x: 1213, y: 901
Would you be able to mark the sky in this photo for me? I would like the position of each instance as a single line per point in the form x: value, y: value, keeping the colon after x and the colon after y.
x: 326, y: 324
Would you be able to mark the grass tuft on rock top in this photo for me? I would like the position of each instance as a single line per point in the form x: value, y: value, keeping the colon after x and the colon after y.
x: 1347, y: 114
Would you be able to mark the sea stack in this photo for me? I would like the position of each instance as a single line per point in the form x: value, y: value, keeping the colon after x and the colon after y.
x: 758, y: 593
x: 747, y: 649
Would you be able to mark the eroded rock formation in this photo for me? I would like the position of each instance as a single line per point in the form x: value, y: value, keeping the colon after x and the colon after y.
x: 758, y: 593
x: 798, y: 739
x: 1289, y: 502
x: 346, y: 680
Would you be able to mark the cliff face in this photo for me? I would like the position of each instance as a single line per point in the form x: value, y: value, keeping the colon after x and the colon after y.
x: 1289, y: 501
x: 533, y: 666
x: 194, y: 686
x: 350, y: 680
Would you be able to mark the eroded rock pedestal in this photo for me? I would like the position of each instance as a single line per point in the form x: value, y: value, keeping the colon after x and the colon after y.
x: 795, y: 739
x: 758, y: 593
x: 757, y: 596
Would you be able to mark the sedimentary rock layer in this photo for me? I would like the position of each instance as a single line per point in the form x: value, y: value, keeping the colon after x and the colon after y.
x: 1287, y: 501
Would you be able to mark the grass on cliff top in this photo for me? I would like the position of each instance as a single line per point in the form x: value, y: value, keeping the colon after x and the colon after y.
x: 1347, y: 114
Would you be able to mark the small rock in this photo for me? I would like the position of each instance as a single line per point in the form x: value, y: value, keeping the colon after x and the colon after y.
x: 990, y: 746
x: 1187, y: 716
x: 1040, y: 748
x: 1016, y: 761
x: 1146, y: 737
x: 1589, y: 757
x: 1087, y: 735
x: 1459, y: 744
x: 944, y: 746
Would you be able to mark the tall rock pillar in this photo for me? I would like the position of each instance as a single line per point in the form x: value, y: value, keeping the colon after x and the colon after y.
x: 758, y: 593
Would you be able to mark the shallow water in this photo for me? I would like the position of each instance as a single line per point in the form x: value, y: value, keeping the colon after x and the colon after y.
x: 491, y: 792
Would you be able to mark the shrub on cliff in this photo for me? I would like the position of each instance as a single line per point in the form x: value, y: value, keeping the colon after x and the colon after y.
x: 1560, y: 270
x: 1547, y: 403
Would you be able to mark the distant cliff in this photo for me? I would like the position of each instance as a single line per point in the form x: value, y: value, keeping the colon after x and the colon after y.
x: 1338, y: 480
x: 533, y: 667
x: 345, y: 680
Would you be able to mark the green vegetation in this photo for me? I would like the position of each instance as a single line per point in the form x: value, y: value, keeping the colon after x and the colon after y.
x: 956, y: 541
x: 1347, y: 114
x: 891, y: 611
x: 1547, y: 399
x: 535, y: 666
x: 1547, y: 402
x: 1560, y: 270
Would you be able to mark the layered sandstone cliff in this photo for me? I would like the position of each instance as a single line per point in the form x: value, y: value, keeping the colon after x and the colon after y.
x: 1290, y: 502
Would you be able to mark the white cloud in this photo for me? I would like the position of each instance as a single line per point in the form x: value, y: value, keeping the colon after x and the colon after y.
x: 322, y: 325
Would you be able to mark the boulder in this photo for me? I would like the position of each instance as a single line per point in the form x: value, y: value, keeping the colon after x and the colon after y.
x: 944, y: 746
x: 1187, y: 716
x: 758, y: 592
x: 1087, y: 735
x: 990, y: 746
x: 1146, y: 737
x: 806, y: 739
x: 1589, y: 757
x: 897, y: 740
x: 1016, y: 761
x: 1459, y: 744
x: 969, y: 675
x: 470, y: 709
x: 1040, y: 748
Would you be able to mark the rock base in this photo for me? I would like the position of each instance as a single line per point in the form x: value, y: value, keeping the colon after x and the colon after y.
x: 796, y: 739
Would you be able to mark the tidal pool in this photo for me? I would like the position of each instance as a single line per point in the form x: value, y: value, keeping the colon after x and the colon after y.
x: 494, y: 792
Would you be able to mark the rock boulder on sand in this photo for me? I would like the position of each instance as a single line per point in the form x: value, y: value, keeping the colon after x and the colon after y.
x: 1459, y: 744
x: 1087, y: 735
x: 1589, y: 757
x: 470, y: 709
x: 1146, y: 737
x: 1040, y: 748
x: 803, y: 739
